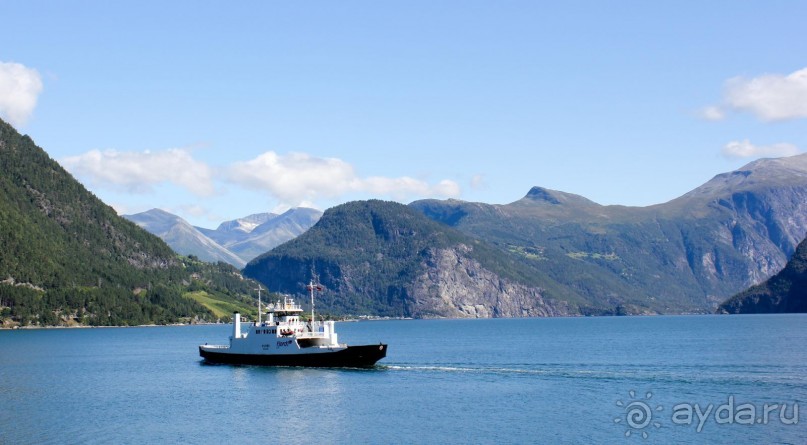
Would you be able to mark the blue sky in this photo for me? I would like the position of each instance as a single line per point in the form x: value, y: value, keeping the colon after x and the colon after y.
x: 215, y: 110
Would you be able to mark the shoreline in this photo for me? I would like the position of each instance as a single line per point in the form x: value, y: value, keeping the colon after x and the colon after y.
x: 19, y: 328
x: 79, y: 326
x: 359, y: 320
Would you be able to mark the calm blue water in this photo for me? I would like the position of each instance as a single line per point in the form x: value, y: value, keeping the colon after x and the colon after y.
x: 559, y: 380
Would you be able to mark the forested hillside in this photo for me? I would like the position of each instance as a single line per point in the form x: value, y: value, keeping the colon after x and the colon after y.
x: 384, y: 258
x: 66, y: 257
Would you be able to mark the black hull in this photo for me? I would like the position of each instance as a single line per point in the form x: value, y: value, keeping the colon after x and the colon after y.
x: 364, y: 356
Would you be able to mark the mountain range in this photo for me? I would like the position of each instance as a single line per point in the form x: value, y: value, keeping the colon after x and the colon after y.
x: 684, y: 256
x: 235, y: 241
x: 67, y: 258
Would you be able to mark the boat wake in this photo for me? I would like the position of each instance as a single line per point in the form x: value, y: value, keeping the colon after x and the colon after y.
x: 653, y: 375
x: 479, y: 370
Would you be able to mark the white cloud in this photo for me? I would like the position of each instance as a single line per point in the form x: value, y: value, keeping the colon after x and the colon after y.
x: 770, y: 97
x: 294, y: 177
x: 19, y: 89
x: 297, y: 178
x: 139, y: 172
x: 745, y: 149
x: 478, y: 182
x: 194, y: 210
x: 712, y: 113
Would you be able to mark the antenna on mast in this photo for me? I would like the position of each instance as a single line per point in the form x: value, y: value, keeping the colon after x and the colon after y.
x: 311, y: 288
x: 259, y: 303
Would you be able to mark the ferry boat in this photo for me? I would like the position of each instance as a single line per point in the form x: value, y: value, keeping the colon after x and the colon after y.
x: 283, y: 339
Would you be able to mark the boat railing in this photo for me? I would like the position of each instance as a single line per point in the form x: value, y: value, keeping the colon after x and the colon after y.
x: 317, y: 329
x: 206, y: 346
x: 283, y: 307
x: 311, y: 335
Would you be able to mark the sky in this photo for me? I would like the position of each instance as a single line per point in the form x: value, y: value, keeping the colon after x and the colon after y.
x: 216, y: 110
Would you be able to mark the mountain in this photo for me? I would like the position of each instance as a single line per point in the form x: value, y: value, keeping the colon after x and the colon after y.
x: 274, y: 232
x: 686, y: 255
x: 383, y: 258
x: 236, y: 230
x: 784, y: 292
x: 246, y: 224
x: 234, y: 242
x: 183, y: 237
x: 67, y: 258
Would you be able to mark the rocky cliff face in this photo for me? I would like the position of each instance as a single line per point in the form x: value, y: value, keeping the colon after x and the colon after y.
x: 453, y: 285
x: 444, y: 282
x: 767, y: 226
x: 784, y: 292
x: 761, y: 208
x: 743, y: 237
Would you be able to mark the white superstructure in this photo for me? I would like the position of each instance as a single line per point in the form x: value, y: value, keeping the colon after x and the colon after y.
x: 282, y: 331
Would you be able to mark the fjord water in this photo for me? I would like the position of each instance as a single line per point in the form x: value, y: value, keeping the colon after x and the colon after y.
x: 558, y: 380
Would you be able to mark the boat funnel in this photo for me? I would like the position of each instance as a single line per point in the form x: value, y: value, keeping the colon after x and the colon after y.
x: 236, y: 325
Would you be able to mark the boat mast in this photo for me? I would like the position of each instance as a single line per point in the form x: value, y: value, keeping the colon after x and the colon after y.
x: 259, y: 303
x: 311, y: 288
